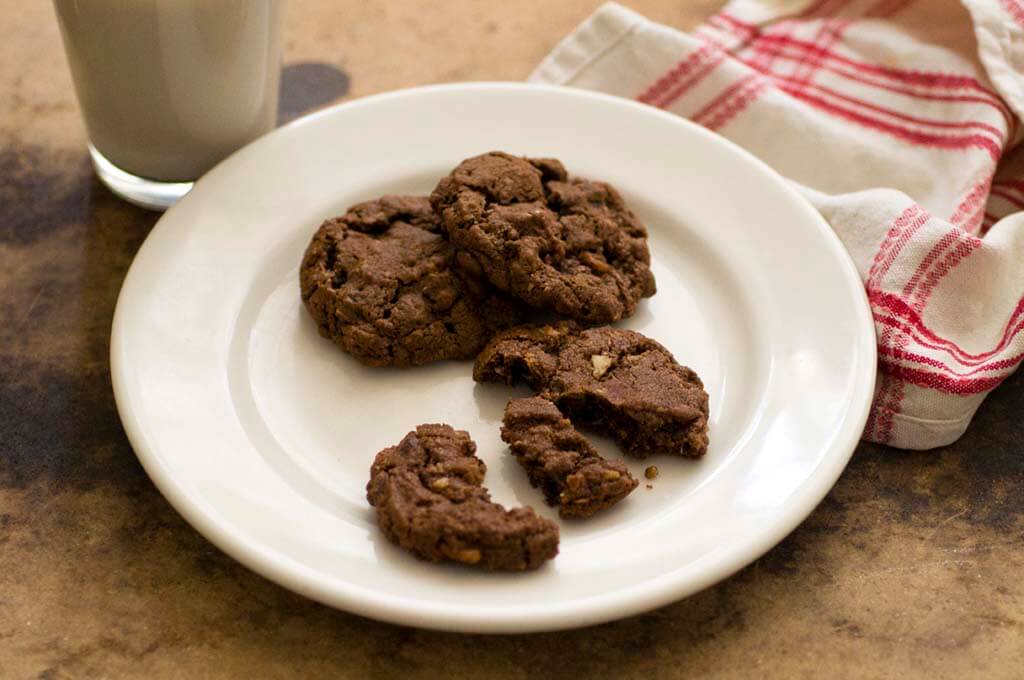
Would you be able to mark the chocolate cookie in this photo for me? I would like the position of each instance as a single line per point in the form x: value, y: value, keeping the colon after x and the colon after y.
x: 571, y: 246
x: 524, y: 354
x: 560, y: 462
x: 429, y: 496
x: 379, y: 283
x: 617, y: 381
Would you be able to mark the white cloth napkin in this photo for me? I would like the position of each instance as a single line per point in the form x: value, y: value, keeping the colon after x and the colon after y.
x: 891, y: 116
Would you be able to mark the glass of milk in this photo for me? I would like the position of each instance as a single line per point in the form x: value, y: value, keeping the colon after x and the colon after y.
x: 168, y: 88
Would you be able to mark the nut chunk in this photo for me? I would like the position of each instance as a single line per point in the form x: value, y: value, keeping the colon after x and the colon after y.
x: 616, y: 381
x: 429, y: 496
x: 560, y: 462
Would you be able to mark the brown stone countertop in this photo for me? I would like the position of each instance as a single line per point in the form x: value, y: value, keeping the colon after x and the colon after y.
x: 913, y: 566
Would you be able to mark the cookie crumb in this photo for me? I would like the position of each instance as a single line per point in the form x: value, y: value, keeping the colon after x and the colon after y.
x: 650, y: 486
x: 651, y: 472
x: 601, y: 364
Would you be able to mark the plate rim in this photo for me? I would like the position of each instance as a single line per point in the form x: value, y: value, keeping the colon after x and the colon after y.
x: 628, y: 601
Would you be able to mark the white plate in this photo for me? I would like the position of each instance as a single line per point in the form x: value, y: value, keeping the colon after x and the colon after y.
x: 261, y: 433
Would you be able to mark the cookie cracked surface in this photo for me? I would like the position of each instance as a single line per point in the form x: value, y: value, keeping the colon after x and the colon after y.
x: 429, y: 498
x: 567, y: 245
x: 616, y: 381
x: 379, y: 281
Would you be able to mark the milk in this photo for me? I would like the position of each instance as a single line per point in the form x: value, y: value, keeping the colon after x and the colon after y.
x: 170, y: 87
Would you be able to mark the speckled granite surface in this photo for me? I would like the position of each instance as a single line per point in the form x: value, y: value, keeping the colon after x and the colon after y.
x: 912, y: 567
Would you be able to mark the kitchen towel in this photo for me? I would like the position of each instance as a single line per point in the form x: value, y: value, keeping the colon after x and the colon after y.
x: 896, y: 119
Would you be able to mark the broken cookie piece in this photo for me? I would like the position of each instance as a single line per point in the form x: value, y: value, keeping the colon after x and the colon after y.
x: 429, y: 496
x: 524, y: 354
x: 642, y: 398
x: 560, y: 462
x: 617, y: 381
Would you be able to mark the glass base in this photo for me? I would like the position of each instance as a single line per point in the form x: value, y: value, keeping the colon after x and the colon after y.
x: 145, y: 193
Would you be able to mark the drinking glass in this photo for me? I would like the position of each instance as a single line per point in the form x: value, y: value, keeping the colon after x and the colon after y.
x: 168, y: 88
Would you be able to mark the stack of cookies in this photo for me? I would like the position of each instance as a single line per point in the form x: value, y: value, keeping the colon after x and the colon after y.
x: 408, y: 280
